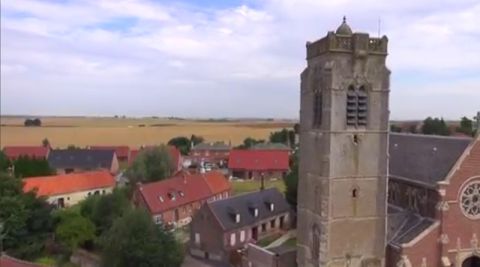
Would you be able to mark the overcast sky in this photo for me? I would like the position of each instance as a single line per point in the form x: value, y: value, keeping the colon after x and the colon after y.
x: 225, y: 58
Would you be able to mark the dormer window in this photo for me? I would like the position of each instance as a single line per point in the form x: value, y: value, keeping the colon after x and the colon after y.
x: 237, y: 218
x: 255, y: 212
x: 171, y: 196
x: 271, y: 206
x: 160, y: 198
x: 181, y: 193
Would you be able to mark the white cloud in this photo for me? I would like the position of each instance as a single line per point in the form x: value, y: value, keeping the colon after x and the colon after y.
x: 160, y: 55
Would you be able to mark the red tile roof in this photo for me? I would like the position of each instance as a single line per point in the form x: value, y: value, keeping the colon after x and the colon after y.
x: 121, y: 151
x: 68, y: 183
x: 13, y: 152
x: 7, y: 261
x: 216, y: 182
x: 182, y: 189
x: 174, y: 153
x: 258, y: 160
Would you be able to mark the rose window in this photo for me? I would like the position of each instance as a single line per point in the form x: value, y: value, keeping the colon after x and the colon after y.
x: 470, y: 200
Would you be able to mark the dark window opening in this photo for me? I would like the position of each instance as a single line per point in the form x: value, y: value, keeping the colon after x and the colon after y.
x: 316, y: 243
x: 264, y: 227
x: 355, y: 193
x: 355, y: 139
x: 272, y: 223
x: 317, y: 109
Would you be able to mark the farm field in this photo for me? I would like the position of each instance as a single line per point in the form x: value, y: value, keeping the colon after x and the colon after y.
x: 85, y: 131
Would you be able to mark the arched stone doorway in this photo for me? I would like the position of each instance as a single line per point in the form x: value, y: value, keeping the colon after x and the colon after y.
x: 473, y: 261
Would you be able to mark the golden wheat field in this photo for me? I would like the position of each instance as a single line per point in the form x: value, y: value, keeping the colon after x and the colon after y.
x: 85, y: 131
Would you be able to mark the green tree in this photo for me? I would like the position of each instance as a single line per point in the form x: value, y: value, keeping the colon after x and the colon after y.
x: 291, y: 183
x: 45, y: 142
x: 103, y: 210
x: 4, y: 162
x: 249, y: 142
x: 26, y: 219
x: 73, y: 230
x: 466, y: 126
x: 151, y: 165
x: 283, y: 136
x: 396, y: 129
x: 435, y: 126
x: 182, y: 143
x: 134, y: 240
x: 31, y: 167
x: 196, y: 139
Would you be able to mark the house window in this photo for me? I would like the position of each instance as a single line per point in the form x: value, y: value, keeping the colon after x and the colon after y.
x: 264, y: 227
x: 104, y: 192
x: 242, y: 236
x: 237, y: 218
x: 317, y: 109
x: 232, y: 239
x: 255, y: 212
x: 357, y: 106
x: 197, y: 238
x: 272, y: 207
x: 158, y: 219
x: 272, y: 223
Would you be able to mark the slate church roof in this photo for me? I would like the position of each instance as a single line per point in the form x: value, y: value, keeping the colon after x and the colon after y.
x: 225, y: 210
x: 81, y: 158
x: 424, y: 158
x: 404, y: 225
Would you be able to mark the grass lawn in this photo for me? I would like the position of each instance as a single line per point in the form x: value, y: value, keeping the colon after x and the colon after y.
x: 268, y: 240
x: 292, y: 242
x: 244, y: 186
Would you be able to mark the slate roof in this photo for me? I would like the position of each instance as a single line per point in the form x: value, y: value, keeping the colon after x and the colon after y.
x: 81, y: 158
x: 243, y: 204
x: 121, y: 151
x: 424, y: 158
x: 258, y: 160
x: 270, y: 146
x: 7, y: 261
x: 217, y: 146
x: 182, y: 189
x: 68, y: 183
x: 13, y: 152
x: 404, y: 226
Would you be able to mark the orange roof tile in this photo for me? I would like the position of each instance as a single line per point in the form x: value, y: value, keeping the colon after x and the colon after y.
x: 68, y: 183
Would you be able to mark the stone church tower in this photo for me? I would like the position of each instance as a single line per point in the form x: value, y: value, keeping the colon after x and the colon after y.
x: 343, y: 151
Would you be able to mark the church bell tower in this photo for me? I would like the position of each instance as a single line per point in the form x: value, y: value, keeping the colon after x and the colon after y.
x: 343, y: 151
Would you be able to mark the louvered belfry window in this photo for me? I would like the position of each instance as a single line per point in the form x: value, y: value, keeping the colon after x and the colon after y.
x: 317, y: 109
x: 357, y: 106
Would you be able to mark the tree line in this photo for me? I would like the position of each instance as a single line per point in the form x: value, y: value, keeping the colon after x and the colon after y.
x: 438, y: 126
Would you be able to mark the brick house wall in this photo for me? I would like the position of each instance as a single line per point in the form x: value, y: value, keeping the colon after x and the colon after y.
x: 218, y: 243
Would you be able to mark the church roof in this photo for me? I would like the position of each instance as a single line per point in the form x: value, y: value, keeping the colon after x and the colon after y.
x: 404, y: 226
x: 424, y: 158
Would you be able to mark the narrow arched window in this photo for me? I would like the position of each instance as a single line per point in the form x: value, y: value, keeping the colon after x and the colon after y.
x: 317, y: 109
x: 362, y: 106
x: 316, y: 243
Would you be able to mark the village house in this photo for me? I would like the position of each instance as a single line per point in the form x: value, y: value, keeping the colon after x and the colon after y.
x: 258, y: 164
x: 434, y: 201
x: 176, y: 156
x: 210, y: 153
x: 7, y: 261
x: 174, y: 200
x: 80, y: 160
x: 65, y: 190
x: 225, y: 225
x: 37, y: 152
x: 122, y: 152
